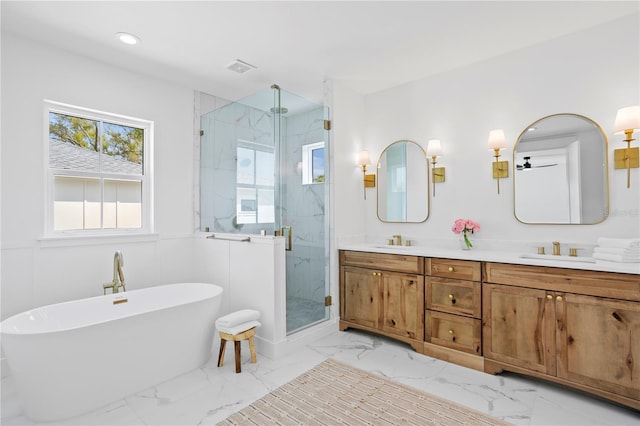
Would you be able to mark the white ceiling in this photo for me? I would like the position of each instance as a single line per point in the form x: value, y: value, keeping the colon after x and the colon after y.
x: 367, y: 45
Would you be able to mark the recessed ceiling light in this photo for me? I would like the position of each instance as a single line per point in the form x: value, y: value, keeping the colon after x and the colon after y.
x: 240, y: 66
x: 128, y: 38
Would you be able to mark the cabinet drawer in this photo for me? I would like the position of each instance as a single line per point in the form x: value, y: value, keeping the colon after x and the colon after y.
x: 591, y: 283
x: 454, y: 296
x: 454, y: 331
x: 387, y: 262
x: 459, y: 269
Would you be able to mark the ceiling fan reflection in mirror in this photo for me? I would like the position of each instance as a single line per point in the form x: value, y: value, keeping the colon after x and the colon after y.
x: 528, y: 166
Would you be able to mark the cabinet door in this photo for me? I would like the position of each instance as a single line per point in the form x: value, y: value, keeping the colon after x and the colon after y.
x: 598, y: 343
x: 403, y: 299
x: 518, y: 327
x: 361, y: 301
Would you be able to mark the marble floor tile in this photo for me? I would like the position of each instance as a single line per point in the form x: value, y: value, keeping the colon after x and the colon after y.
x: 209, y: 394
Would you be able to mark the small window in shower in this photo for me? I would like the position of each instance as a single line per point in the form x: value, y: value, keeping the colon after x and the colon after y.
x: 313, y: 163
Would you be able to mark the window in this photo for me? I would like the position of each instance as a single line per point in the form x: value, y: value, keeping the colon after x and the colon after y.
x: 255, y: 180
x: 313, y: 163
x: 98, y: 172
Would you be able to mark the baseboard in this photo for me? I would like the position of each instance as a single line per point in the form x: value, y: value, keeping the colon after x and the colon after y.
x: 296, y: 341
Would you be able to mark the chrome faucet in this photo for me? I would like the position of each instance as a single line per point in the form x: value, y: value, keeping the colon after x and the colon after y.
x: 556, y: 248
x: 118, y: 275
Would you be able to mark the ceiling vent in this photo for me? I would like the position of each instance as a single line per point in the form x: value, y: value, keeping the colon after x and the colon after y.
x: 240, y: 66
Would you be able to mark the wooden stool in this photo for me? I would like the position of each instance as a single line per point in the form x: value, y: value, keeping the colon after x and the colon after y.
x: 236, y: 339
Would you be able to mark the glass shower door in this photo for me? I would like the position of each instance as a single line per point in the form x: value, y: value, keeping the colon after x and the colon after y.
x: 302, y: 200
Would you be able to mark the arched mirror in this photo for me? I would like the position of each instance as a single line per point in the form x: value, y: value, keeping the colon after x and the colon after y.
x: 403, y: 194
x: 560, y: 172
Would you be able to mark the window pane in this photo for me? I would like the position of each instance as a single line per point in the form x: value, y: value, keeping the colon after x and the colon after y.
x: 68, y: 209
x: 245, y: 166
x: 312, y: 164
x: 266, y: 207
x: 246, y: 205
x: 76, y: 203
x: 73, y: 143
x: 122, y: 204
x: 110, y: 205
x: 91, y: 204
x: 122, y: 146
x: 129, y: 204
x: 265, y: 164
x: 317, y: 159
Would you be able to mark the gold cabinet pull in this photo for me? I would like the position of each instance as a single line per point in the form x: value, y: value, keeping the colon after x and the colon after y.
x: 549, y: 296
x: 559, y: 298
x: 451, y: 332
x: 450, y: 268
x: 451, y: 296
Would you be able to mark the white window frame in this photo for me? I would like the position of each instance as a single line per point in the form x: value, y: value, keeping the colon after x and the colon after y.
x: 307, y: 162
x: 146, y: 178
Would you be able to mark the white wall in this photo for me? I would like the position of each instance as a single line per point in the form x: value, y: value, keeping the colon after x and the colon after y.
x: 593, y: 73
x: 36, y: 272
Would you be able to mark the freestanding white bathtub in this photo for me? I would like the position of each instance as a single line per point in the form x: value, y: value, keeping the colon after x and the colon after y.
x: 73, y: 357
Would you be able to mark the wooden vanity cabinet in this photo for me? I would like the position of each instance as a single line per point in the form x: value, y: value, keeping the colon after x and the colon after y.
x: 383, y: 293
x: 574, y: 327
x: 579, y: 328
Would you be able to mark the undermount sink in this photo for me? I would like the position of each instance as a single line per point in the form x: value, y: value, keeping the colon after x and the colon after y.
x: 561, y: 258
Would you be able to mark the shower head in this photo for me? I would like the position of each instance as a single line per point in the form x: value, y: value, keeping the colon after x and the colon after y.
x: 279, y: 110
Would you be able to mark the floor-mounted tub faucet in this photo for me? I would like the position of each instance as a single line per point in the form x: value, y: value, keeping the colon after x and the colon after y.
x: 118, y: 274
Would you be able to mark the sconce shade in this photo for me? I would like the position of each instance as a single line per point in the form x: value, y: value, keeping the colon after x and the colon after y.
x: 434, y: 148
x: 363, y: 158
x: 627, y: 119
x: 497, y: 140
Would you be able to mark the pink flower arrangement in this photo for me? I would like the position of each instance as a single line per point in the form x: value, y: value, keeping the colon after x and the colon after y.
x: 462, y: 226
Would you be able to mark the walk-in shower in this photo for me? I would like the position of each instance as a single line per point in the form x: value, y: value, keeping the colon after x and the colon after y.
x: 263, y: 166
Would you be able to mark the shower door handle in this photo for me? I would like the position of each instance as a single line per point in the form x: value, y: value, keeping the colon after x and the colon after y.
x: 287, y: 231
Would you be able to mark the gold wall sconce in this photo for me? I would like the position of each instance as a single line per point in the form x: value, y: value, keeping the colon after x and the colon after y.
x: 497, y: 143
x: 434, y: 150
x: 369, y: 179
x: 627, y: 122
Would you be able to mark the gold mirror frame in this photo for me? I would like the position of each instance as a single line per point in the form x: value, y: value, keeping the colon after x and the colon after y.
x: 557, y: 135
x: 413, y: 176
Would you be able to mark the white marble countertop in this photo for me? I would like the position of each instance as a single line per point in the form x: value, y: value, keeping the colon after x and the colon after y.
x: 496, y: 255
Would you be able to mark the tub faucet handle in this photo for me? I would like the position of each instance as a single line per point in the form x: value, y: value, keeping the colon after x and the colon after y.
x: 105, y: 286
